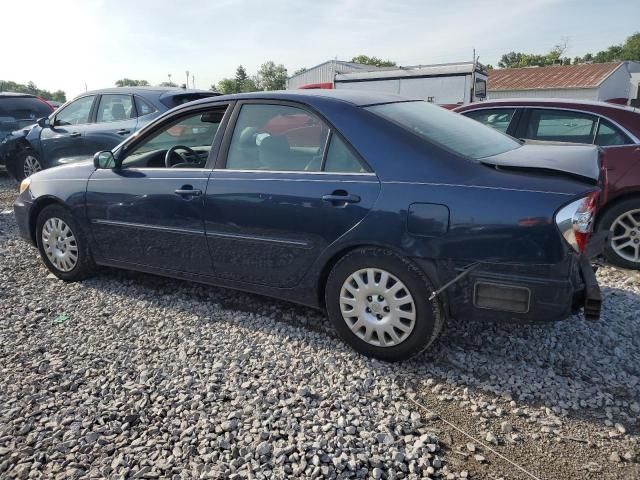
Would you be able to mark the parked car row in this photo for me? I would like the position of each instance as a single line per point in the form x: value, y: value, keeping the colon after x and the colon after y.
x: 94, y: 121
x: 391, y: 214
x: 615, y: 129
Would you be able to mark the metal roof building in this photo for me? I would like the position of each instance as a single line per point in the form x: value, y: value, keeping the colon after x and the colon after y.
x: 325, y: 73
x: 595, y: 81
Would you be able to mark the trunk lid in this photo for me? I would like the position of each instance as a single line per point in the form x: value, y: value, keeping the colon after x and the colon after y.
x: 577, y: 160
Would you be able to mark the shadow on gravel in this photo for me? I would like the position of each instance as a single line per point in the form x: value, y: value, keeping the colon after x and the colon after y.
x: 574, y: 367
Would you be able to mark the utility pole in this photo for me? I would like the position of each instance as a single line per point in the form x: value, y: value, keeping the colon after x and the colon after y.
x: 187, y: 84
x: 169, y: 75
x: 193, y: 80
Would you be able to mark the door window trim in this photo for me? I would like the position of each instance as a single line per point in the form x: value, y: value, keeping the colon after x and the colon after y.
x: 527, y: 110
x: 221, y: 161
x: 154, y: 127
x: 512, y: 121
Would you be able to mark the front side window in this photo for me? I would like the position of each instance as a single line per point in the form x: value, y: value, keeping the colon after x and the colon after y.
x: 446, y: 129
x: 76, y: 113
x: 278, y: 138
x: 184, y: 143
x: 115, y: 108
x: 498, y: 118
x: 609, y: 135
x: 561, y: 126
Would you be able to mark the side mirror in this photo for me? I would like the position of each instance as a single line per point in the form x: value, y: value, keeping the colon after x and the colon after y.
x: 44, y: 122
x: 104, y: 160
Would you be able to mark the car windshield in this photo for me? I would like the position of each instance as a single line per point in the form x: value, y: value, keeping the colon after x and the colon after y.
x: 452, y: 131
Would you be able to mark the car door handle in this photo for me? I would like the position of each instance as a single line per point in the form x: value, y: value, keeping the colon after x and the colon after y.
x: 340, y: 197
x: 75, y: 134
x: 123, y: 131
x: 188, y: 192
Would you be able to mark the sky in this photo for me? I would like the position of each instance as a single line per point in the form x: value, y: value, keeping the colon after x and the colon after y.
x: 77, y: 44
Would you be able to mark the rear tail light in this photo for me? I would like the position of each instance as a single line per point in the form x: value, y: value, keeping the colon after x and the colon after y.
x: 575, y: 221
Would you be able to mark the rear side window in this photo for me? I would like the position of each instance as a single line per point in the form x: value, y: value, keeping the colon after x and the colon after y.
x: 561, y: 126
x: 277, y: 138
x: 18, y: 112
x: 609, y: 135
x: 340, y: 159
x: 175, y: 100
x: 498, y: 118
x: 447, y: 129
x: 115, y: 108
x: 143, y: 107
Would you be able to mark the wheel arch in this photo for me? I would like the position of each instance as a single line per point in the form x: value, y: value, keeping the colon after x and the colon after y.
x: 38, y: 205
x: 631, y: 195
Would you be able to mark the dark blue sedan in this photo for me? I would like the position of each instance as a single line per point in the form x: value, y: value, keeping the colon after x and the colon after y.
x: 93, y: 121
x: 393, y: 215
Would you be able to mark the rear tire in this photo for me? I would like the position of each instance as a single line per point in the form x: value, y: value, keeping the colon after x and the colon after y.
x: 623, y: 223
x: 378, y: 302
x: 62, y: 244
x: 28, y: 163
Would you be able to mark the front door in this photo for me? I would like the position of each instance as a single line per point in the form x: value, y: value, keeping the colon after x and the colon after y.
x: 148, y: 211
x: 65, y: 138
x: 287, y: 188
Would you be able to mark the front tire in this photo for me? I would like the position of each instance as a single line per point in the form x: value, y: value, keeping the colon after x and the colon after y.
x: 62, y: 244
x: 623, y: 223
x: 378, y: 303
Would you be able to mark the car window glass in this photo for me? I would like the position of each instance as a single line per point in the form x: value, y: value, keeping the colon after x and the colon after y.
x: 143, y: 107
x: 76, y: 113
x: 340, y: 158
x: 498, y: 118
x: 449, y: 130
x: 18, y: 112
x: 609, y: 135
x: 196, y: 132
x: 277, y: 137
x: 115, y: 108
x: 559, y: 126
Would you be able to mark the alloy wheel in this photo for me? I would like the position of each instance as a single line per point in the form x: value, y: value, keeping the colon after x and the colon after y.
x: 625, y: 236
x: 31, y: 166
x: 60, y: 244
x: 377, y: 307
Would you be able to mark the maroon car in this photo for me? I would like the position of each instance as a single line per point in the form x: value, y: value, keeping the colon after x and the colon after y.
x: 614, y: 128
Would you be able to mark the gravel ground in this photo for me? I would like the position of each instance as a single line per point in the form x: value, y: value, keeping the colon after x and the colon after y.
x: 128, y: 375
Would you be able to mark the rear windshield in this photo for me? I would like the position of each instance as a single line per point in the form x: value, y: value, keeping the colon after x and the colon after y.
x: 175, y: 100
x: 18, y: 112
x: 452, y: 131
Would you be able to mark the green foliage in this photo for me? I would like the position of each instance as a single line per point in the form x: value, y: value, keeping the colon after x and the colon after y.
x: 251, y: 85
x: 629, y: 50
x: 241, y: 78
x: 128, y: 82
x: 300, y: 70
x: 271, y: 76
x: 169, y: 84
x: 226, y: 86
x: 375, y: 61
x: 9, y: 86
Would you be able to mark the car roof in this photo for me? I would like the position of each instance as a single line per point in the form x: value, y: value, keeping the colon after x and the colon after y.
x: 16, y: 94
x: 357, y: 98
x: 547, y: 101
x: 142, y: 90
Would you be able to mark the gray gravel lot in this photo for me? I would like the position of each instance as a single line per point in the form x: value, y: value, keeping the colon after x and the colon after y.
x: 128, y: 375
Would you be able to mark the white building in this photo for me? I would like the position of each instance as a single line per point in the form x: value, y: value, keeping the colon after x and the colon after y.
x: 610, y: 82
x: 321, y: 76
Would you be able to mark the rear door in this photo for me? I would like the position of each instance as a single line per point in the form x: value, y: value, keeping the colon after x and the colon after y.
x: 65, y: 138
x: 557, y: 125
x: 286, y: 186
x: 621, y: 156
x: 115, y: 120
x: 502, y: 119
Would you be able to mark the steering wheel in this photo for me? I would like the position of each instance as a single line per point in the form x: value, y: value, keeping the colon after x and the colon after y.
x: 171, y: 153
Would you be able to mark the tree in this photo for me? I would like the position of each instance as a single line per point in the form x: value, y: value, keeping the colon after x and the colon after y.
x: 300, y: 70
x: 241, y: 78
x: 226, y: 86
x: 250, y: 85
x: 168, y: 84
x: 127, y: 82
x: 30, y: 87
x: 375, y: 61
x: 271, y: 76
x: 631, y: 48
